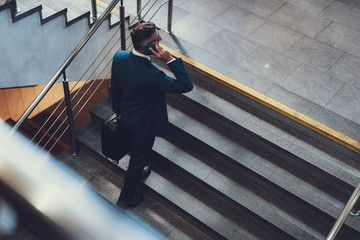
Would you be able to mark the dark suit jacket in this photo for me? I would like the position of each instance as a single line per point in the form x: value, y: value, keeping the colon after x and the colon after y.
x: 138, y: 90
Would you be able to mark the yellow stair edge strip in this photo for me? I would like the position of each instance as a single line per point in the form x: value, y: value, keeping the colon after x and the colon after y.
x: 270, y: 103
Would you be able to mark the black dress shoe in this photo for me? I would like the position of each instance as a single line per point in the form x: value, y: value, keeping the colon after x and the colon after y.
x: 145, y: 173
x: 132, y: 203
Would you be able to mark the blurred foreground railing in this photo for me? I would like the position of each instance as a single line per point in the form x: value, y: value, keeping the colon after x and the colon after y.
x: 54, y: 193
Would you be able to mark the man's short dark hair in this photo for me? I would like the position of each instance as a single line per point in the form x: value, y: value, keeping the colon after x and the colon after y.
x: 142, y: 33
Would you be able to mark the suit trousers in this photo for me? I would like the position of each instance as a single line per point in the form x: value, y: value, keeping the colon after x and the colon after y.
x: 139, y: 155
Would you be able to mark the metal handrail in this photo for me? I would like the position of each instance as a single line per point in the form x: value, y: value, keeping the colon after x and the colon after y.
x: 70, y: 119
x: 59, y: 198
x: 62, y: 69
x: 345, y: 213
x: 67, y: 62
x: 73, y: 97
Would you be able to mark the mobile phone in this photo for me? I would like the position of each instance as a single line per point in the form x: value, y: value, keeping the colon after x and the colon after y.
x: 147, y: 51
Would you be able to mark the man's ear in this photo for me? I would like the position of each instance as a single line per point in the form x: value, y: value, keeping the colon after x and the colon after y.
x: 140, y: 50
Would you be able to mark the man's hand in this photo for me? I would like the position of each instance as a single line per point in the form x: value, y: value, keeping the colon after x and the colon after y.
x: 161, y: 53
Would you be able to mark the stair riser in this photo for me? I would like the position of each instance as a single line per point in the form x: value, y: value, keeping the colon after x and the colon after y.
x: 215, y: 194
x: 148, y: 190
x: 209, y: 83
x: 186, y: 104
x: 220, y: 196
x: 281, y: 192
x: 328, y: 220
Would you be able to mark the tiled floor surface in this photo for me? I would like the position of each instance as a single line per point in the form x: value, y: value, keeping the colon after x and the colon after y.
x: 304, y: 53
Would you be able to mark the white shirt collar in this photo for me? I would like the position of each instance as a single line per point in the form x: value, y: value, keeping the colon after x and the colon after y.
x: 140, y: 54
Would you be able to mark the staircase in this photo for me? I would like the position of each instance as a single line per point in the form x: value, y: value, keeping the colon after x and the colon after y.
x: 233, y: 169
x: 236, y: 172
x: 44, y: 39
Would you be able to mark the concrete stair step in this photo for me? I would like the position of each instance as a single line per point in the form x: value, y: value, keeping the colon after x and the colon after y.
x: 335, y: 167
x: 51, y: 7
x: 282, y: 178
x: 320, y: 198
x: 233, y: 187
x: 73, y: 9
x: 271, y: 163
x: 106, y: 179
x: 319, y: 160
x: 313, y: 152
x: 205, y: 211
x: 277, y: 208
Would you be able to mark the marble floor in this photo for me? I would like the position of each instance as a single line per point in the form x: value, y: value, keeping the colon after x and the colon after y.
x: 302, y: 53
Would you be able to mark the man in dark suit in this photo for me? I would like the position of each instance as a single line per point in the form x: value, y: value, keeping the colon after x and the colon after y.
x: 138, y: 90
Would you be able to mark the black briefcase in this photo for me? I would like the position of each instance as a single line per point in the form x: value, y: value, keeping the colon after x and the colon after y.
x: 115, y: 139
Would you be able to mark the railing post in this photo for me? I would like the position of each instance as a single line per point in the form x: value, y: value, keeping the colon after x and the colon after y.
x: 94, y: 10
x: 170, y: 15
x: 122, y: 26
x: 138, y: 9
x: 344, y: 214
x: 70, y: 113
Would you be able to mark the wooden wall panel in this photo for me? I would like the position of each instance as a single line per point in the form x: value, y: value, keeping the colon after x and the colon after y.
x: 14, y: 103
x: 4, y: 112
x: 28, y: 95
x: 50, y: 98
